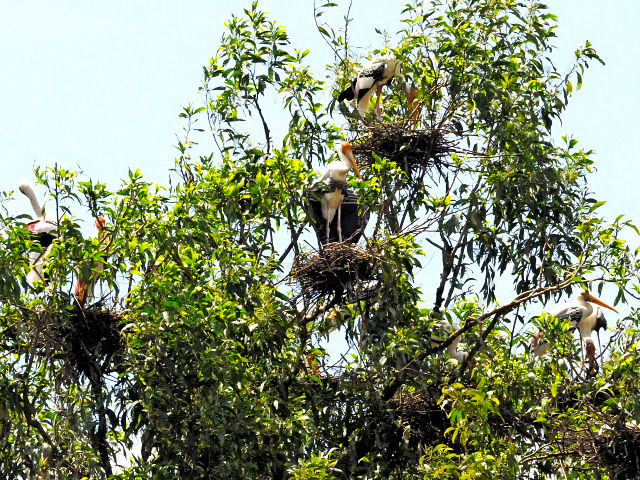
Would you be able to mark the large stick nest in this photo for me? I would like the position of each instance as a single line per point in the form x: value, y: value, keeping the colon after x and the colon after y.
x: 334, y: 269
x: 617, y: 449
x: 86, y: 339
x: 414, y: 151
x: 420, y: 411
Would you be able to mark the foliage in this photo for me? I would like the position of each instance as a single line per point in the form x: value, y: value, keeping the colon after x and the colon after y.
x: 222, y: 364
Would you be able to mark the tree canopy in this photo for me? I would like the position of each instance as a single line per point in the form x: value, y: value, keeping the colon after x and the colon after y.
x: 208, y: 351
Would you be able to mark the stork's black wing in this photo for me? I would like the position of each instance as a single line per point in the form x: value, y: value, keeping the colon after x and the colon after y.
x: 348, y: 93
x: 601, y: 322
x: 574, y: 314
x: 353, y: 223
x: 375, y: 71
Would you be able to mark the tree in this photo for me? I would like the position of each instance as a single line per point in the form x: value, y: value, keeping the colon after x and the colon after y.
x: 209, y: 350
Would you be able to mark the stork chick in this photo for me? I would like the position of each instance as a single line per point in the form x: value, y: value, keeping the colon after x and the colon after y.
x: 452, y: 349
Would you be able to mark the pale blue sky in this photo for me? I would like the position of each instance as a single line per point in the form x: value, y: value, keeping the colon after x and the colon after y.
x: 100, y: 84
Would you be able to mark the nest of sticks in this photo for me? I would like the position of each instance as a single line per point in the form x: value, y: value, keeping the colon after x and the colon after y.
x: 616, y: 449
x: 421, y: 413
x: 86, y: 339
x: 414, y: 151
x: 337, y: 267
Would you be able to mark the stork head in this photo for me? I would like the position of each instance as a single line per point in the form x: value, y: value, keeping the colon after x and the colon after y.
x: 100, y: 223
x: 25, y: 188
x: 345, y: 153
x: 587, y: 297
x: 538, y: 344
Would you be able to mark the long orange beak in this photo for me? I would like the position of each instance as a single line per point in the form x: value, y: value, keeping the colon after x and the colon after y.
x: 592, y: 299
x: 355, y: 164
x: 346, y: 149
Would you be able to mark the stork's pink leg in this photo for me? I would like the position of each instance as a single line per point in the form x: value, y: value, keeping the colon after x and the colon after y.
x: 328, y: 231
x: 340, y: 222
x: 378, y: 109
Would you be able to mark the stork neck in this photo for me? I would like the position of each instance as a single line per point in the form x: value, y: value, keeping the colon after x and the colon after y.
x: 31, y: 195
x: 586, y: 305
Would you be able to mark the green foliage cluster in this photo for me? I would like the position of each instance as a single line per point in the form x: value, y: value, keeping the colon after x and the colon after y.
x: 223, y: 370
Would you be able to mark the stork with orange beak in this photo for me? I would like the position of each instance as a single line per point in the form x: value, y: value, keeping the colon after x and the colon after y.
x: 335, y: 177
x: 581, y: 315
x: 88, y: 277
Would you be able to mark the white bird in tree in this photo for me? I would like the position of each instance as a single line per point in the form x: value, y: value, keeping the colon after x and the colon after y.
x: 539, y: 344
x: 43, y: 231
x: 335, y: 177
x: 581, y: 315
x: 89, y: 273
x: 373, y: 76
x: 448, y: 327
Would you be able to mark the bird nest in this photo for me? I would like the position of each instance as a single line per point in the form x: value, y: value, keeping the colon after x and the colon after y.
x: 426, y: 419
x: 86, y: 339
x: 353, y: 222
x: 334, y: 269
x: 414, y: 151
x: 616, y: 449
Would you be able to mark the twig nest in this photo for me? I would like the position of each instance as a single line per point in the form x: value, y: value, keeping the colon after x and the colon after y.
x: 337, y: 267
x: 413, y: 151
x: 92, y: 336
x: 420, y: 411
x: 617, y: 449
x: 353, y: 222
x: 85, y: 338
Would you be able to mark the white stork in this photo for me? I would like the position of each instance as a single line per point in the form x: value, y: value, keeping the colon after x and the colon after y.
x: 539, y: 345
x: 44, y: 232
x: 583, y: 316
x: 88, y: 277
x: 335, y: 177
x: 452, y: 349
x: 373, y: 76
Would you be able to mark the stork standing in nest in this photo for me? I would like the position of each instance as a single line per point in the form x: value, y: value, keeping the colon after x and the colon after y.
x: 335, y: 177
x: 43, y: 231
x: 373, y: 76
x: 89, y: 273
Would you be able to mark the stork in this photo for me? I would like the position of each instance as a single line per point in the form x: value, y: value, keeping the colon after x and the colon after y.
x: 539, y: 344
x: 335, y: 177
x: 373, y: 76
x: 452, y: 349
x: 43, y: 231
x: 88, y: 277
x: 581, y: 315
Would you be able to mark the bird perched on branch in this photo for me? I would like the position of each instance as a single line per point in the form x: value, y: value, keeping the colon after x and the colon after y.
x: 539, y: 344
x: 335, y: 179
x: 450, y: 328
x: 581, y: 315
x: 89, y: 274
x: 43, y: 231
x: 373, y: 76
